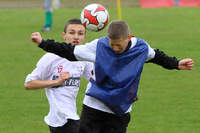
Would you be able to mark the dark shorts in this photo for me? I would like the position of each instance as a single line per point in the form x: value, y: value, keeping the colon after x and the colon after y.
x: 95, y: 121
x: 71, y: 126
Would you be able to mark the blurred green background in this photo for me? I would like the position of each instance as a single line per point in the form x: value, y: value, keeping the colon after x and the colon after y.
x: 169, y: 101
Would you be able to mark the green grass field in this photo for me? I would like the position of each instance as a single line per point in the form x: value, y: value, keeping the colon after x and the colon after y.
x: 169, y: 101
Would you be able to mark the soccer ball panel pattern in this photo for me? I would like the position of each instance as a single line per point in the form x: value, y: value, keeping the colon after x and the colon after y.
x: 94, y: 17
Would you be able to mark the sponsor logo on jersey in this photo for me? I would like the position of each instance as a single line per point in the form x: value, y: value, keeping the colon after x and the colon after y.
x: 60, y: 68
x: 72, y: 81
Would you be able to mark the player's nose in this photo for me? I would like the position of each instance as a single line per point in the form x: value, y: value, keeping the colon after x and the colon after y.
x: 76, y: 36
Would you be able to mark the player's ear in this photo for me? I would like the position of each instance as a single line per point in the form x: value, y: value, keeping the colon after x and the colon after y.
x: 63, y: 35
x: 129, y: 37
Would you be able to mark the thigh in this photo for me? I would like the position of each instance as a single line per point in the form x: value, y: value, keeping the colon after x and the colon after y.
x: 91, y: 120
x: 71, y: 126
x: 116, y: 124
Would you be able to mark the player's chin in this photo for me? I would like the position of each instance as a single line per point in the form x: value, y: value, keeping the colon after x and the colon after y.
x: 118, y: 52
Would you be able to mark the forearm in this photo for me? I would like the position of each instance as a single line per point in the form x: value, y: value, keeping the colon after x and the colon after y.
x: 39, y: 84
x: 62, y: 49
x: 164, y: 60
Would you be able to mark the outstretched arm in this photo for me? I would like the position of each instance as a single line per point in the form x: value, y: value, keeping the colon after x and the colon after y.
x: 62, y: 49
x: 38, y: 84
x: 167, y: 62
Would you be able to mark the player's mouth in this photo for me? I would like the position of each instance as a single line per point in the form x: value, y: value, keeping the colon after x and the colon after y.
x: 75, y: 42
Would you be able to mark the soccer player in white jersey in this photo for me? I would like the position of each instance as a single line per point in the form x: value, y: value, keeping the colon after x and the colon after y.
x: 119, y: 59
x: 61, y: 80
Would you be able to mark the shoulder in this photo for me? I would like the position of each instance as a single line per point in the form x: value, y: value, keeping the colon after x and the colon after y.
x: 141, y: 41
x: 93, y: 42
x: 47, y: 59
x: 133, y: 41
x: 151, y: 51
x: 138, y: 41
x: 103, y: 40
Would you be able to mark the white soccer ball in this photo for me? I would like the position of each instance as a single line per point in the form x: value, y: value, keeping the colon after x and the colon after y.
x: 94, y: 17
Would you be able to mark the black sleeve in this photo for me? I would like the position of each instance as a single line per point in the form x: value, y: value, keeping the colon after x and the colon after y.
x: 62, y: 49
x: 164, y: 60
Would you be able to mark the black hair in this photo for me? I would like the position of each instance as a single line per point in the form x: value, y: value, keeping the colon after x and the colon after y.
x: 72, y: 21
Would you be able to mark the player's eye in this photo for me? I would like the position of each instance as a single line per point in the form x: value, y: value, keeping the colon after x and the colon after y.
x: 71, y: 32
x: 81, y: 33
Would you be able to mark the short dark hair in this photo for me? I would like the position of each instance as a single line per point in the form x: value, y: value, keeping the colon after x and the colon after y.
x: 118, y: 29
x: 72, y: 21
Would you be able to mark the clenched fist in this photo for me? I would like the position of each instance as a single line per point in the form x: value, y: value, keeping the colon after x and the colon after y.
x: 36, y: 38
x: 186, y: 64
x: 63, y: 76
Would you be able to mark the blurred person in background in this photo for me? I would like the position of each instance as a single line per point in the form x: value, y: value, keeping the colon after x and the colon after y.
x: 49, y: 5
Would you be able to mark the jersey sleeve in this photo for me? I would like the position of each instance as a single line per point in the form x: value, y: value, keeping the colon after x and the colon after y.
x: 164, y: 60
x: 88, y: 70
x: 158, y: 57
x: 62, y: 49
x: 86, y: 52
x: 151, y: 52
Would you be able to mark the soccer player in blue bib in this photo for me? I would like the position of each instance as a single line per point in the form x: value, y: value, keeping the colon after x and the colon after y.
x: 119, y: 60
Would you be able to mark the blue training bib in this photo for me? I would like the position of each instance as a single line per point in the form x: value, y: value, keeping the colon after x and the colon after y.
x: 117, y: 75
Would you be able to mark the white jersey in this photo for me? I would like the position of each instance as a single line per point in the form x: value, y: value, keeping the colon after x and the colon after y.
x: 88, y: 52
x: 62, y: 99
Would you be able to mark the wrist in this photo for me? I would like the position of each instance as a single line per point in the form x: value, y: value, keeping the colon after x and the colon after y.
x: 42, y: 43
x: 178, y: 65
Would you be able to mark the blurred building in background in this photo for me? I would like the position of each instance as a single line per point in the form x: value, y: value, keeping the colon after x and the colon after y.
x: 168, y: 3
x: 106, y: 3
x: 65, y: 3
